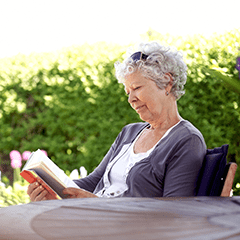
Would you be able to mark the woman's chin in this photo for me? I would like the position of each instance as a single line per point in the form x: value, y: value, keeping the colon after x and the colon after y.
x: 144, y: 117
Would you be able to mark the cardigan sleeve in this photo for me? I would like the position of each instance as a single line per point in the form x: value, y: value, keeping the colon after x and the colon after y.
x: 90, y: 182
x: 183, y: 166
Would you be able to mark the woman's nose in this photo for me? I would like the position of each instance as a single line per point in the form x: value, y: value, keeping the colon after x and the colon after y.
x: 131, y: 97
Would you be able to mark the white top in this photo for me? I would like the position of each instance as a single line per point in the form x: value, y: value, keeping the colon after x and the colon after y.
x: 117, y: 170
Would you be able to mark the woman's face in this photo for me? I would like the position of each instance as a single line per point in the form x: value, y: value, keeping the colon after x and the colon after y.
x: 148, y: 100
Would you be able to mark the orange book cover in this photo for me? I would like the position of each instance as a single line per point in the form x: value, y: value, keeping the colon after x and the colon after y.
x: 32, y: 177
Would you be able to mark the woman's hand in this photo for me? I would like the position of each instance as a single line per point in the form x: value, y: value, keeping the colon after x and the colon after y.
x: 37, y: 192
x: 78, y: 193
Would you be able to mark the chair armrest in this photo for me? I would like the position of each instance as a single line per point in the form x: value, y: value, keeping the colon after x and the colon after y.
x: 227, y: 187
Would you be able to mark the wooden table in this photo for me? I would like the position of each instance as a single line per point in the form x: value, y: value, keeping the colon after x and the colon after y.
x: 123, y: 218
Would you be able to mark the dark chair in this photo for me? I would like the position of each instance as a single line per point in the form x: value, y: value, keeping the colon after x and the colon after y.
x: 216, y: 176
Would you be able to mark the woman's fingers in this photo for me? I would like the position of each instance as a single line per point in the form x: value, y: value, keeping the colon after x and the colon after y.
x: 41, y: 195
x: 36, y: 192
x: 78, y: 193
x: 31, y: 187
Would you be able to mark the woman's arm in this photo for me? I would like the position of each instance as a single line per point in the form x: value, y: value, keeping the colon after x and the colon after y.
x: 90, y: 182
x: 183, y: 167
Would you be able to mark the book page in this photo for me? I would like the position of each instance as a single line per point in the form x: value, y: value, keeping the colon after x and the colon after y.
x: 37, y: 158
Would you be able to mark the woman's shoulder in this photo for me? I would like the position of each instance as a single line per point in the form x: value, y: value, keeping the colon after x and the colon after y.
x: 185, y: 131
x: 189, y: 128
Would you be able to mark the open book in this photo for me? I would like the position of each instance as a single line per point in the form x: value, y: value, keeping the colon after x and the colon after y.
x: 40, y: 168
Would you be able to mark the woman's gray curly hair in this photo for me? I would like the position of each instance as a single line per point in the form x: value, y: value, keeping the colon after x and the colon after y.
x: 160, y: 60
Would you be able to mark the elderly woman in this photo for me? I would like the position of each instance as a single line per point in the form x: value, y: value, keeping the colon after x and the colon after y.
x: 159, y: 157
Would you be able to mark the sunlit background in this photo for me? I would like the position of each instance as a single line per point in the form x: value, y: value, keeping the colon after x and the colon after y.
x: 41, y: 26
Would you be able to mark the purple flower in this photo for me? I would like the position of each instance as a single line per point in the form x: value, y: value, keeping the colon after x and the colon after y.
x: 26, y: 155
x: 16, y: 159
x: 14, y: 154
x: 15, y: 163
x: 238, y: 65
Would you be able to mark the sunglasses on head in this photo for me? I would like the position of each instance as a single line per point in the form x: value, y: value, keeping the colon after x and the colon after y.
x: 138, y: 56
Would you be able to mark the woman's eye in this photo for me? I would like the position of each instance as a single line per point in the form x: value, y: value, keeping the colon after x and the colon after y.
x: 136, y: 88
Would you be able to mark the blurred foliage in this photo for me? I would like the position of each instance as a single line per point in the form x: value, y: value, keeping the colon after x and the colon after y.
x: 232, y: 83
x: 70, y: 104
x: 14, y: 195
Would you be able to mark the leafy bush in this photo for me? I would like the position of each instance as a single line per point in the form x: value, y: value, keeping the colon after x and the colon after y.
x: 14, y: 195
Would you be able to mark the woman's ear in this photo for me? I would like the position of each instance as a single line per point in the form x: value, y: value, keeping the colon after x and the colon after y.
x: 169, y: 86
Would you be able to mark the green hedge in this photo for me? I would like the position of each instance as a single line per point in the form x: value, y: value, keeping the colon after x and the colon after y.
x: 70, y: 104
x: 67, y: 103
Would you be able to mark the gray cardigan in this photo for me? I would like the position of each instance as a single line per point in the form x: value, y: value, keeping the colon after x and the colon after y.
x: 169, y: 171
